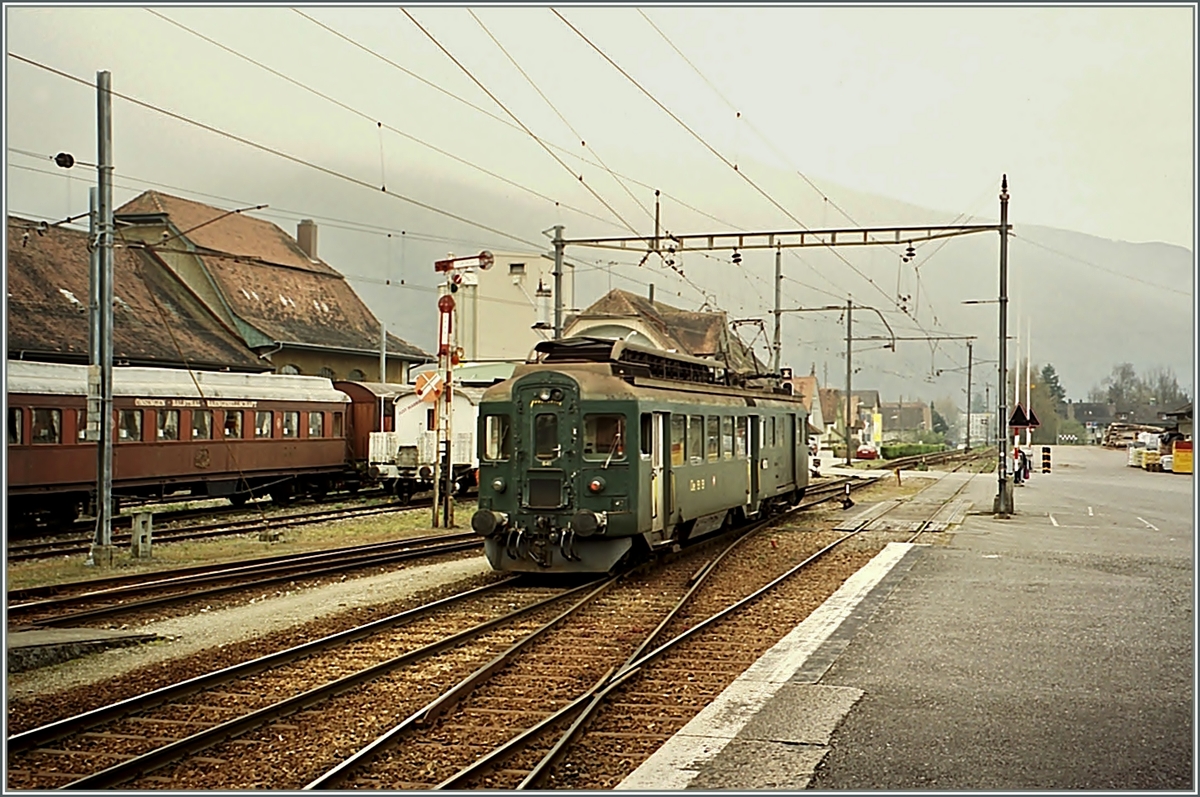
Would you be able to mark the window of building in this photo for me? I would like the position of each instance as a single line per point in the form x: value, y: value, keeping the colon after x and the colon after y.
x: 290, y: 369
x: 337, y: 424
x: 264, y: 423
x: 647, y: 433
x: 431, y: 419
x: 497, y: 437
x: 516, y: 269
x: 47, y: 426
x: 740, y: 438
x: 316, y: 424
x: 129, y: 426
x: 356, y: 375
x: 326, y: 372
x: 168, y: 424
x: 202, y: 424
x: 233, y: 423
x: 81, y: 424
x: 603, y: 435
x: 291, y: 424
x: 545, y: 435
x: 678, y: 433
x: 714, y: 438
x: 727, y: 437
x: 16, y: 428
x: 695, y: 446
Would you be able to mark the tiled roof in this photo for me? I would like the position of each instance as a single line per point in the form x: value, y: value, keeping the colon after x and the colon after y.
x: 155, y: 319
x: 700, y: 334
x: 806, y: 388
x: 831, y: 399
x: 267, y: 280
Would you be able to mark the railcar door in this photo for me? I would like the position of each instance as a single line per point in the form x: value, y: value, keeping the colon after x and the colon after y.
x: 658, y: 495
x: 756, y: 462
x: 541, y: 452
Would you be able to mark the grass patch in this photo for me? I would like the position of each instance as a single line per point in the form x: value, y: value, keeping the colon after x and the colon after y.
x: 294, y: 540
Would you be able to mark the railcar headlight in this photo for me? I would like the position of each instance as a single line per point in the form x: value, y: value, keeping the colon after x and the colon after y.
x: 544, y: 395
x: 596, y: 484
x: 498, y: 484
x: 556, y: 395
x: 485, y: 522
x: 586, y: 522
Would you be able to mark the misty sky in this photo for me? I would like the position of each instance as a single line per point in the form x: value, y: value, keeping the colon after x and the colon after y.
x: 1090, y: 111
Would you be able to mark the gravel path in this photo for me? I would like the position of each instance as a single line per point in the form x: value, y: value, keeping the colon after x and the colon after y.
x: 183, y: 636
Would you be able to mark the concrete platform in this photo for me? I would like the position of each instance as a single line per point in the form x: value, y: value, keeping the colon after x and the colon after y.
x: 28, y: 650
x: 1052, y: 650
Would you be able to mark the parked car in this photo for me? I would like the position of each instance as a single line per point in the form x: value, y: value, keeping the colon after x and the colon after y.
x: 866, y: 452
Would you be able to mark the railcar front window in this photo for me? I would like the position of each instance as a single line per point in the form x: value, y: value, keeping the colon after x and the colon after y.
x: 678, y: 432
x: 291, y: 424
x: 129, y: 426
x: 739, y: 438
x: 497, y: 437
x: 603, y: 436
x: 264, y: 423
x: 15, y: 427
x: 47, y: 426
x: 233, y: 424
x: 545, y: 436
x: 316, y: 424
x: 714, y: 438
x: 168, y: 424
x: 202, y: 425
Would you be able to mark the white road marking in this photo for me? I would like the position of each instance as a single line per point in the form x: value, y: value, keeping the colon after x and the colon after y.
x: 1052, y: 520
x: 1089, y: 511
x: 1148, y: 523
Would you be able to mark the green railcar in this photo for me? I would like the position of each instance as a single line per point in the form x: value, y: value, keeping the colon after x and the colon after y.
x: 602, y: 451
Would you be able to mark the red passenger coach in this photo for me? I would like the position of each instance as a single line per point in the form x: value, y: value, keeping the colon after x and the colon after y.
x: 175, y: 432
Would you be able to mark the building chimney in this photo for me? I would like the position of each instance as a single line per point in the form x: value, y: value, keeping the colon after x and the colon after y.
x: 651, y: 293
x: 306, y: 236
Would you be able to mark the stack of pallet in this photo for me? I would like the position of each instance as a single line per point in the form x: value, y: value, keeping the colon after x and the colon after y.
x: 1120, y: 435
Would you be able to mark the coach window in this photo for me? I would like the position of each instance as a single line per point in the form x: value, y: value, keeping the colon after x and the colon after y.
x: 47, y: 426
x: 714, y: 438
x: 316, y: 424
x: 739, y: 438
x: 695, y: 448
x: 727, y: 436
x: 497, y: 437
x: 647, y: 433
x: 264, y: 423
x: 337, y: 424
x: 603, y: 437
x: 81, y: 424
x: 16, y: 419
x: 129, y: 426
x: 233, y: 423
x: 168, y: 424
x: 202, y: 425
x: 545, y: 435
x: 678, y: 432
x: 291, y: 424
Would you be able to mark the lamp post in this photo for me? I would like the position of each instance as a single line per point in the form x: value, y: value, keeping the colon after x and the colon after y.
x: 1003, y: 505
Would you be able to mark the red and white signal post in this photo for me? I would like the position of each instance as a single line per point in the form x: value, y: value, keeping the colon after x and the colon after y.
x: 449, y: 355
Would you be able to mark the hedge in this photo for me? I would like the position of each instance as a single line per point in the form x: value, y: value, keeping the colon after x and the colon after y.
x: 909, y: 449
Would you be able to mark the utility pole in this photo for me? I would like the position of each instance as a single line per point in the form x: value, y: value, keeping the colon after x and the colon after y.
x: 987, y: 403
x: 849, y: 310
x: 775, y: 347
x: 102, y: 550
x: 968, y: 395
x: 1003, y: 505
x: 559, y: 246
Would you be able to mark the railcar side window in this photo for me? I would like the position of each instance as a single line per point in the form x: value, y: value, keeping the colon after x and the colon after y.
x: 202, y: 425
x: 647, y: 434
x: 15, y: 428
x: 727, y: 437
x: 233, y: 423
x: 739, y: 438
x: 316, y: 424
x: 714, y: 438
x: 168, y: 424
x: 264, y: 423
x: 678, y: 432
x: 696, y: 439
x: 291, y: 424
x: 47, y: 426
x: 337, y: 424
x: 129, y: 426
x: 497, y: 437
x: 774, y: 440
x: 603, y: 435
x: 545, y: 435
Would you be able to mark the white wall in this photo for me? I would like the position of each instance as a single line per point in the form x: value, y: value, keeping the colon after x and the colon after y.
x: 497, y: 315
